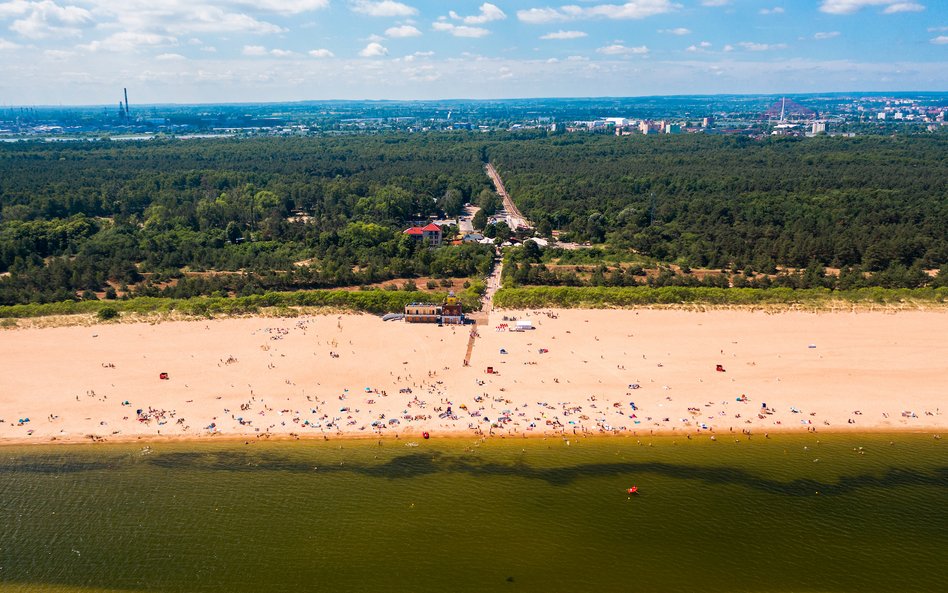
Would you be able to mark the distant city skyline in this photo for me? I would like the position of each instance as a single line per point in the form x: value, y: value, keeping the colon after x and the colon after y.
x: 74, y: 52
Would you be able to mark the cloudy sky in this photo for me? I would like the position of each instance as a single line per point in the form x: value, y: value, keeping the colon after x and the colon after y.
x: 184, y: 51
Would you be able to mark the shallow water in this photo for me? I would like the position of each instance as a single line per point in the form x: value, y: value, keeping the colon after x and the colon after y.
x: 524, y: 515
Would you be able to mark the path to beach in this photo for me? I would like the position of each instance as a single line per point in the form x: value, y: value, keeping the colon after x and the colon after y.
x: 578, y: 372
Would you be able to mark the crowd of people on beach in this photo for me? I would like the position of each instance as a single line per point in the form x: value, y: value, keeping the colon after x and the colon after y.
x: 493, y: 405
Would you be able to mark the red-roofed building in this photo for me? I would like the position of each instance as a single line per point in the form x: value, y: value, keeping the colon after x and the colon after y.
x: 432, y: 232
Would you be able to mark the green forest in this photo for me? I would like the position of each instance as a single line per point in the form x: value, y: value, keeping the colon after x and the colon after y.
x: 226, y: 217
x: 868, y: 203
x: 234, y: 218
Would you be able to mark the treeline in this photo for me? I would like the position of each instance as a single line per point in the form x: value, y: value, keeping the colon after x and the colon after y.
x: 531, y: 265
x: 371, y: 301
x: 730, y: 201
x: 814, y: 276
x: 287, y: 213
x: 535, y: 297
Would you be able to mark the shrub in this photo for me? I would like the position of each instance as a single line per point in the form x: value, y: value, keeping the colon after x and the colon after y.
x: 106, y: 313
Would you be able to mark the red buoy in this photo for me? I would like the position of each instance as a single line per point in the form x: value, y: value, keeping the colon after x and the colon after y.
x: 426, y: 435
x: 633, y: 490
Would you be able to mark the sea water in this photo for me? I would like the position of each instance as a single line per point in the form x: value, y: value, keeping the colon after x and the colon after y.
x: 813, y: 513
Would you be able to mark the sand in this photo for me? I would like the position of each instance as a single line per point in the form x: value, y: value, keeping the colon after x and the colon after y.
x: 331, y: 376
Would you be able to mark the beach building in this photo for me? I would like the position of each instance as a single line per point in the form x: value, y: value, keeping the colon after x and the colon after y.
x: 449, y: 312
x: 422, y: 313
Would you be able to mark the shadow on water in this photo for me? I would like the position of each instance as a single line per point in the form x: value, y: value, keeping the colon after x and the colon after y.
x: 415, y: 465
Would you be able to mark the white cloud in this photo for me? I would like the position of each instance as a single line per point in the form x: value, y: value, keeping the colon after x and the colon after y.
x: 4, y: 44
x: 56, y: 54
x: 940, y: 40
x: 937, y: 29
x: 286, y: 6
x: 386, y: 8
x: 774, y: 10
x: 539, y: 16
x: 676, y: 31
x: 254, y: 50
x: 820, y: 35
x: 903, y: 7
x: 46, y: 19
x: 459, y: 30
x: 751, y: 46
x: 852, y: 6
x: 423, y: 73
x: 128, y: 41
x: 488, y: 12
x: 170, y: 57
x: 187, y: 17
x: 418, y: 54
x: 728, y: 47
x: 561, y: 34
x: 703, y: 46
x: 402, y: 31
x: 321, y: 53
x: 374, y: 50
x: 617, y: 49
x: 715, y: 2
x: 14, y: 8
x: 634, y: 9
x: 259, y: 50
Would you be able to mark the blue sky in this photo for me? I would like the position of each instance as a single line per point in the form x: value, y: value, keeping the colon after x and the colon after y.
x: 85, y: 51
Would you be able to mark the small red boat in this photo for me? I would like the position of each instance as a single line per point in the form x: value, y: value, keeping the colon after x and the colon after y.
x: 633, y: 490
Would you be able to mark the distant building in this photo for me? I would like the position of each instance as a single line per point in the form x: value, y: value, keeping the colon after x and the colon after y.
x: 432, y: 232
x: 819, y: 127
x: 539, y: 241
x: 472, y: 237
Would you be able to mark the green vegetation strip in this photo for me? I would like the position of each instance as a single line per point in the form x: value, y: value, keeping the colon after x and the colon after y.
x: 371, y: 301
x: 602, y: 296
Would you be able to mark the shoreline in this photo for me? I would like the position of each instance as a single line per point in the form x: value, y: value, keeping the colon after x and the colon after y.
x: 579, y: 373
x: 252, y: 439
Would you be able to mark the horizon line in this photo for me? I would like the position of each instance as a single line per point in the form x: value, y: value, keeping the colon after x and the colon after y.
x: 501, y: 99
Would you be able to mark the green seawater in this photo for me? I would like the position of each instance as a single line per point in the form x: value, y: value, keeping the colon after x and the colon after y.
x: 791, y: 513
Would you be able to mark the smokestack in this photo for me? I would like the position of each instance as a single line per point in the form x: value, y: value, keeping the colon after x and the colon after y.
x: 126, y: 102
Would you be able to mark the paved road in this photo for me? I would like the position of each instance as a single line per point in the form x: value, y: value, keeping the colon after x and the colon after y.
x: 465, y: 224
x: 516, y: 217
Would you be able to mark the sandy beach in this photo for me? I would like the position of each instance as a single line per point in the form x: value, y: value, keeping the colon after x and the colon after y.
x: 578, y: 372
